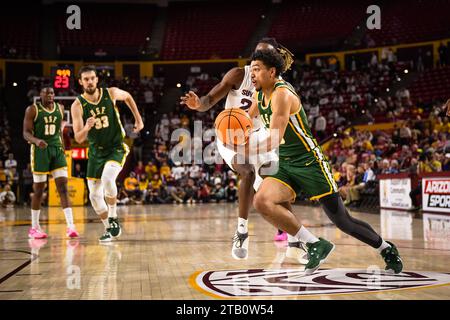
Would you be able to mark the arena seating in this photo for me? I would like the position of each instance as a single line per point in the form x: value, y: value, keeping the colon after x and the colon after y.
x: 200, y: 30
x: 313, y: 22
x: 423, y: 21
x: 105, y: 27
x: 431, y: 85
x: 19, y: 40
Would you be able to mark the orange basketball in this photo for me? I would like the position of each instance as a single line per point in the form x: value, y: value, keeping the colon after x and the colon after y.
x: 233, y: 126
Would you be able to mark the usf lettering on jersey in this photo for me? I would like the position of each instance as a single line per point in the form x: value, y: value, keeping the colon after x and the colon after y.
x: 47, y: 124
x: 107, y: 132
x: 297, y: 139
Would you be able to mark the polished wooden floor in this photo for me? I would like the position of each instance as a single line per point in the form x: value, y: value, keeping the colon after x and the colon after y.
x: 171, y: 251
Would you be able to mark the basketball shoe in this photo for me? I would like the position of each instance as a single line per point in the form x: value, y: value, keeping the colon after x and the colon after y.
x: 239, y: 251
x: 72, y: 233
x: 296, y: 251
x: 281, y: 236
x: 392, y: 258
x: 317, y: 254
x: 106, y: 237
x: 35, y: 233
x: 114, y: 227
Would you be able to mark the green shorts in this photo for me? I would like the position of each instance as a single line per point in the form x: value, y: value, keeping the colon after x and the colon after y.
x: 45, y: 161
x: 97, y: 158
x: 310, y: 174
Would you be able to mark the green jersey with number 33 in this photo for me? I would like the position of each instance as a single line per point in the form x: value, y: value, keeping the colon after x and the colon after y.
x: 107, y: 132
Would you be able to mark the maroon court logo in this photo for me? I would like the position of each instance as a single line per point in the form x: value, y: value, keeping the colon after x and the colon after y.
x: 294, y: 282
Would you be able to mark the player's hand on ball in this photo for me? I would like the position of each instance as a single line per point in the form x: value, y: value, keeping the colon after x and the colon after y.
x: 138, y: 126
x: 41, y: 144
x: 191, y: 100
x: 90, y: 122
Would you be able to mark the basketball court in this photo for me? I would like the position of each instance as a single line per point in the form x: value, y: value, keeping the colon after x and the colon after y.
x: 183, y: 252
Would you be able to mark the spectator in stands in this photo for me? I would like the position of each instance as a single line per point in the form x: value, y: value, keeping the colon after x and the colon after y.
x: 7, y: 197
x: 405, y: 133
x: 10, y: 163
x: 131, y: 185
x: 394, y: 167
x: 151, y: 168
x: 204, y: 192
x: 139, y: 169
x: 218, y: 192
x: 190, y: 192
x: 320, y: 127
x: 352, y: 192
x: 231, y: 191
x: 350, y: 181
x: 164, y: 171
x: 143, y: 185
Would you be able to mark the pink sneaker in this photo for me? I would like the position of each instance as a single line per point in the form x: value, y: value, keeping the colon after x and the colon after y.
x: 34, y: 233
x: 281, y: 236
x: 72, y: 233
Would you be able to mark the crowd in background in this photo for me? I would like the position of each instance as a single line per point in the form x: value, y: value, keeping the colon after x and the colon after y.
x: 332, y: 99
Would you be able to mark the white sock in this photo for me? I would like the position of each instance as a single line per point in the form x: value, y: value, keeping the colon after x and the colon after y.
x: 112, y: 210
x: 242, y: 225
x: 305, y: 236
x: 383, y: 246
x: 105, y: 223
x: 69, y: 217
x: 292, y: 239
x: 35, y: 219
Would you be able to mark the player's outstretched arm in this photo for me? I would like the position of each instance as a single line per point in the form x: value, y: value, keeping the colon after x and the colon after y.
x: 28, y: 126
x: 125, y: 96
x: 80, y: 130
x: 231, y: 80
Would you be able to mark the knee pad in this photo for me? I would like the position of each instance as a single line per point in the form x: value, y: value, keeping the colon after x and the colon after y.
x: 96, y: 196
x: 109, y: 176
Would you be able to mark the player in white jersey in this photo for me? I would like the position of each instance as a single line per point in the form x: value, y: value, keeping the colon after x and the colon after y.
x: 238, y: 87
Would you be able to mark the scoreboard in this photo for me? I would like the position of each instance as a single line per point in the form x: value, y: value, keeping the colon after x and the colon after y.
x: 62, y: 77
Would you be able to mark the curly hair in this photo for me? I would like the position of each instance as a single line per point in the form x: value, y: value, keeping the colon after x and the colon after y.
x: 287, y: 55
x: 271, y: 59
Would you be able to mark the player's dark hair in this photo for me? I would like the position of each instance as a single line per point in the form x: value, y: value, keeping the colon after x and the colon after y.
x: 271, y: 59
x: 45, y: 87
x: 84, y: 69
x: 287, y: 55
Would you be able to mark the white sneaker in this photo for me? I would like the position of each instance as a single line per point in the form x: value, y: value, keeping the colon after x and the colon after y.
x: 297, y: 252
x: 239, y: 251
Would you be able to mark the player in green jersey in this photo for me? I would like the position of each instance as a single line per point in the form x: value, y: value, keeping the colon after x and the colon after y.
x: 96, y: 118
x: 302, y: 166
x: 42, y: 128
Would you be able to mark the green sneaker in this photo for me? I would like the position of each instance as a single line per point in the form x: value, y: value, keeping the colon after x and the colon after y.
x: 114, y: 227
x: 106, y: 237
x: 317, y: 254
x: 392, y: 258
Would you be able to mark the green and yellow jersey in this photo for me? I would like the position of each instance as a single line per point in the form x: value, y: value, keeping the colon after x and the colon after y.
x: 47, y: 124
x: 297, y: 140
x: 108, y: 132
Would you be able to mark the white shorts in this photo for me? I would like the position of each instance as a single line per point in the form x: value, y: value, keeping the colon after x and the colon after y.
x: 39, y: 178
x: 256, y: 160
